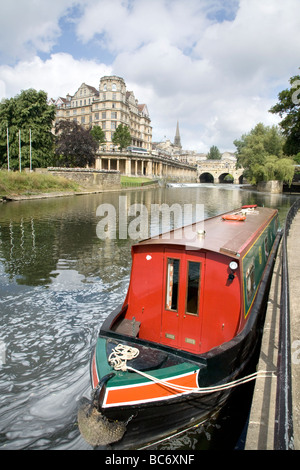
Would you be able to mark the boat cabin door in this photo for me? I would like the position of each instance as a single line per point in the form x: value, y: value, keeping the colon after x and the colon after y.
x: 183, y: 298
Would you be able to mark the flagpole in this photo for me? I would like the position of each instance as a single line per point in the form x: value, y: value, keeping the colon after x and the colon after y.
x: 20, y: 157
x: 30, y: 150
x: 7, y: 142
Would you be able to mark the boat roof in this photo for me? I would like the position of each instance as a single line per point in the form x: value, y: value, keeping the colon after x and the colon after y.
x: 229, y: 237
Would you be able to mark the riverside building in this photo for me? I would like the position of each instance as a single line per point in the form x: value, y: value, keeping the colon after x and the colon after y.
x: 108, y: 107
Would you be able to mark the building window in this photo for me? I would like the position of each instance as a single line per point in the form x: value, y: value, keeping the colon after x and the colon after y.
x: 114, y: 87
x: 114, y: 115
x: 113, y: 125
x: 114, y: 96
x: 82, y: 119
x: 104, y: 115
x: 104, y: 87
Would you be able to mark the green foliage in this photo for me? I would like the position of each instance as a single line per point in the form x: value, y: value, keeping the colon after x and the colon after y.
x: 289, y: 108
x: 214, y: 153
x: 261, y: 154
x: 297, y: 158
x: 122, y: 136
x: 98, y: 134
x: 75, y: 146
x: 229, y: 178
x: 27, y: 111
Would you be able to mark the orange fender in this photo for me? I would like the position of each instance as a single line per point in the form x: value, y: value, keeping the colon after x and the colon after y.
x: 234, y: 217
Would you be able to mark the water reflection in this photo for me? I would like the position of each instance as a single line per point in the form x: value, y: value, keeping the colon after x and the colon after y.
x: 58, y: 281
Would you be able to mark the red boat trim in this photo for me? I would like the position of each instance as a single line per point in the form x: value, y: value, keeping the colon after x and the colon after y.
x: 148, y: 391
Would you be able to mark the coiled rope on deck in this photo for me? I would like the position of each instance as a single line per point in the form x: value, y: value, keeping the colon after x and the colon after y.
x: 122, y: 353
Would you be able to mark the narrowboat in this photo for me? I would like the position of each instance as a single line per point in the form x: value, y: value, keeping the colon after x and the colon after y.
x: 185, y: 335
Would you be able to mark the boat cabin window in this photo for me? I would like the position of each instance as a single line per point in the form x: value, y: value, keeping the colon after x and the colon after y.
x: 266, y: 246
x: 193, y: 284
x: 172, y: 284
x: 250, y: 282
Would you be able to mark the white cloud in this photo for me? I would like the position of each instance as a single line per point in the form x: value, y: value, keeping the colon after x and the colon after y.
x: 59, y: 75
x: 214, y: 65
x: 128, y: 25
x: 27, y: 26
x: 261, y: 39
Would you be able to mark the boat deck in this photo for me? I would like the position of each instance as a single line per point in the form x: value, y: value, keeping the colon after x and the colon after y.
x: 215, y: 234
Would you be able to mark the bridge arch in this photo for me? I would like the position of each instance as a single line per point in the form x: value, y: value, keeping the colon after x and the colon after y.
x: 226, y: 178
x: 206, y: 178
x: 218, y: 170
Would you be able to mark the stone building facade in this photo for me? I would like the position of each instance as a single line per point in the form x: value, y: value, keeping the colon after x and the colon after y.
x: 108, y: 107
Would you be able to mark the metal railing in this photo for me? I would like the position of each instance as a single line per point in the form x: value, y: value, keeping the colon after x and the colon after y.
x: 283, y: 430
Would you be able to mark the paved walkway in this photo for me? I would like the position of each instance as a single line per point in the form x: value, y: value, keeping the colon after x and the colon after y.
x: 293, y: 245
x: 260, y: 434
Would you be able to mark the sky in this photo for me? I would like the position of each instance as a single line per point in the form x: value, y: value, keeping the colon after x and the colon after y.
x: 215, y: 66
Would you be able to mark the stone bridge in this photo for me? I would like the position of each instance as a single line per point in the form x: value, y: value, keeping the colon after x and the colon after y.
x: 153, y: 166
x: 215, y: 171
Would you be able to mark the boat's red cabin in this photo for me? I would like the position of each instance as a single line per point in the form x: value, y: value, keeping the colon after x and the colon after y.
x: 188, y: 295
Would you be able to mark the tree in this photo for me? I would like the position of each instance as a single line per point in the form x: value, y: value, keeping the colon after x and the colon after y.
x: 28, y: 116
x: 98, y: 134
x: 261, y: 154
x: 75, y: 146
x: 289, y: 106
x: 122, y: 136
x: 214, y: 153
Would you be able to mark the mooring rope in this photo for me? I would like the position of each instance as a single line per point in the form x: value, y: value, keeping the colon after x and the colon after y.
x: 122, y: 353
x: 215, y: 388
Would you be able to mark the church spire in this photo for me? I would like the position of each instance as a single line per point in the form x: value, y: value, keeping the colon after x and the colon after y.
x: 177, y: 141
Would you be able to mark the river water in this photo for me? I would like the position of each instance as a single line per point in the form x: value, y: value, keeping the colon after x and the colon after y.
x: 58, y: 282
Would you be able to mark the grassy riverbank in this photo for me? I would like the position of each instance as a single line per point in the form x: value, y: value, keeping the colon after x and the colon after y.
x: 128, y: 181
x: 16, y: 183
